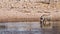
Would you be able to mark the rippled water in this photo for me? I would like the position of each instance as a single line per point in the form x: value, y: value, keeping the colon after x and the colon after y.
x: 27, y: 28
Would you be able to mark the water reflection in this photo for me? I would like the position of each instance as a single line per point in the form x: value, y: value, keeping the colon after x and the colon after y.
x: 28, y: 28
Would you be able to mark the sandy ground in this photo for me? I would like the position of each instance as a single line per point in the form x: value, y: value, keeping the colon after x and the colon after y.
x: 25, y: 10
